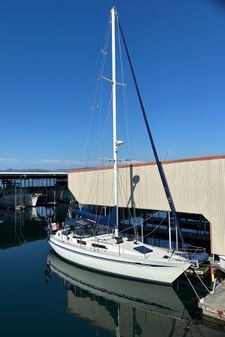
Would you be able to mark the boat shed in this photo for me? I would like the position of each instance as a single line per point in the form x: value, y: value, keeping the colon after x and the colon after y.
x: 197, y: 186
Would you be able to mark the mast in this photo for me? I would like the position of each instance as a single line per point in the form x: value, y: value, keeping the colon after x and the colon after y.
x: 115, y: 143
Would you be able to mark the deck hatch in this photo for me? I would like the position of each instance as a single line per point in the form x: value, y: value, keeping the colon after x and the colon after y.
x: 143, y: 249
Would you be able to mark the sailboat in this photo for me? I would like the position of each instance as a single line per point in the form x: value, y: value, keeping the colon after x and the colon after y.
x: 13, y: 196
x: 94, y: 242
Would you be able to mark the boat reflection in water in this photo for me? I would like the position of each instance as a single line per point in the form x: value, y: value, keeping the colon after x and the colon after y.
x: 17, y: 228
x: 124, y: 307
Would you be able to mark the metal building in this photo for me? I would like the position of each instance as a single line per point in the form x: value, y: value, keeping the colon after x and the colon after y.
x: 197, y: 186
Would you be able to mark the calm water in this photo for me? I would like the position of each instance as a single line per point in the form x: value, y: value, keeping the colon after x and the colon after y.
x: 42, y: 295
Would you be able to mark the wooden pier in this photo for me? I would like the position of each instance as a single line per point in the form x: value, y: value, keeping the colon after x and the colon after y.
x: 213, y: 305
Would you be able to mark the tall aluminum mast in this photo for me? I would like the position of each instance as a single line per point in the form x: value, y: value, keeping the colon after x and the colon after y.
x: 115, y: 142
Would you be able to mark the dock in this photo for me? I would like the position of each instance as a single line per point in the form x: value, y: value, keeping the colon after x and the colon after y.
x: 213, y: 305
x: 52, y: 187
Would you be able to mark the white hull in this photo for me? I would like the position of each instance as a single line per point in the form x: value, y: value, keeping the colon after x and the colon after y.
x: 27, y: 200
x: 150, y: 268
x: 31, y: 199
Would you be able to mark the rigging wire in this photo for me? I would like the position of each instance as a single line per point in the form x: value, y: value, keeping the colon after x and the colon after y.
x: 99, y: 87
x: 125, y: 105
x: 124, y: 193
x: 155, y: 228
x: 158, y: 162
x: 104, y: 129
x: 97, y: 100
x: 207, y: 289
x: 191, y: 285
x: 96, y: 106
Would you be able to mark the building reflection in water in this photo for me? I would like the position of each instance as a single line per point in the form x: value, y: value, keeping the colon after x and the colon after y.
x: 124, y: 307
x: 19, y: 227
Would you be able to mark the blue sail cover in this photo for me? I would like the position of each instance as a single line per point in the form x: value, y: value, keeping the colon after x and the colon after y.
x: 108, y: 220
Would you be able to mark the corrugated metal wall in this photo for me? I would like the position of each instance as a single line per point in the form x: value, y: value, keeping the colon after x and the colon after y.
x: 197, y: 186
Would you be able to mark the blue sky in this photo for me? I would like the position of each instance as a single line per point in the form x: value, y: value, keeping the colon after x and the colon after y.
x: 49, y: 62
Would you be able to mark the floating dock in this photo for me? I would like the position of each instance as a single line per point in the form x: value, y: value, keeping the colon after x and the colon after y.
x: 213, y: 305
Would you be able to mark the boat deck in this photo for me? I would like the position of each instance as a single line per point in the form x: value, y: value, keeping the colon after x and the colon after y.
x: 133, y: 250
